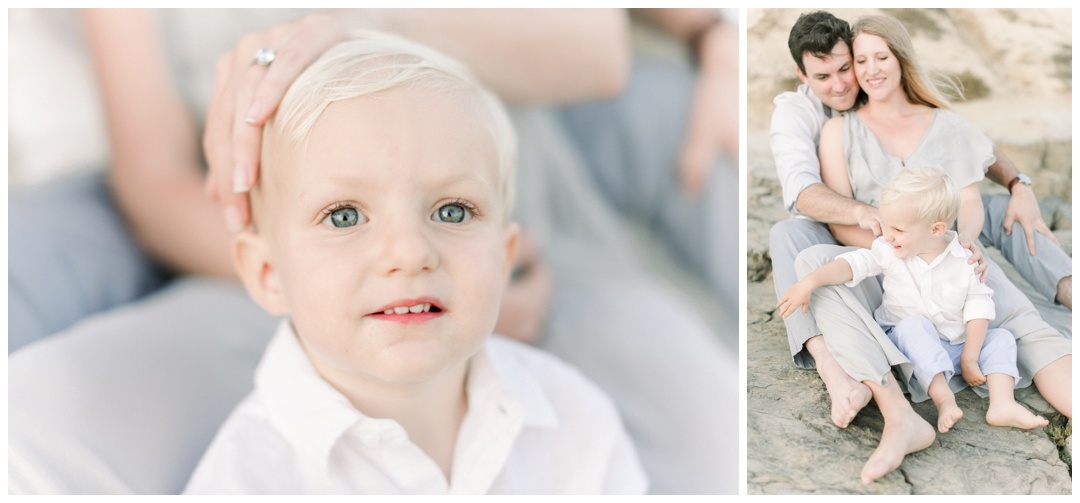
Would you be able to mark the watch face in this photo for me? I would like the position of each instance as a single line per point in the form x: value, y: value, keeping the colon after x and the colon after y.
x: 1024, y: 179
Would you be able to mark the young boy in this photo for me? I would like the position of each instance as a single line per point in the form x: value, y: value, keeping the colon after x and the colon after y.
x: 382, y: 233
x: 936, y: 309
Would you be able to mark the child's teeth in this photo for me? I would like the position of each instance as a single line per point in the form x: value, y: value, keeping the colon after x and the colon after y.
x: 419, y: 308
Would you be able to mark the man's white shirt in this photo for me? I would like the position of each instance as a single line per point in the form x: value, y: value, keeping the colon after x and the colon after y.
x: 794, y: 135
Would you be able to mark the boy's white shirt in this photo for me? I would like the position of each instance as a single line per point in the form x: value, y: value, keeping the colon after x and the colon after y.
x: 794, y: 135
x: 534, y: 426
x: 946, y: 291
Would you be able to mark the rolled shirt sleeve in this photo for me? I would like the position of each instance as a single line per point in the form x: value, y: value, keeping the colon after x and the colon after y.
x: 794, y: 133
x: 865, y: 263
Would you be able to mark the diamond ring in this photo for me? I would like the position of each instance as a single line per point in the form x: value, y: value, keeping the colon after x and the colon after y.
x: 264, y: 56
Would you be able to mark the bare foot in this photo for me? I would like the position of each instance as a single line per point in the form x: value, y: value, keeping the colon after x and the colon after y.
x: 847, y: 395
x: 1014, y: 415
x: 906, y: 435
x: 948, y: 414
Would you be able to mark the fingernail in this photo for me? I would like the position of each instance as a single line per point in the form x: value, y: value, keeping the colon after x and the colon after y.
x: 253, y: 113
x: 232, y: 219
x: 240, y: 179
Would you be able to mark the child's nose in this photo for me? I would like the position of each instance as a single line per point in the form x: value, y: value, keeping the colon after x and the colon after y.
x: 406, y: 250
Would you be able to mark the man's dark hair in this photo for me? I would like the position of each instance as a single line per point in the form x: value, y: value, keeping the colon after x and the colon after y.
x: 817, y: 33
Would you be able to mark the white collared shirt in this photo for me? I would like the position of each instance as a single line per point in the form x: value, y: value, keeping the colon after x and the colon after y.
x: 946, y: 291
x: 534, y: 425
x: 794, y: 134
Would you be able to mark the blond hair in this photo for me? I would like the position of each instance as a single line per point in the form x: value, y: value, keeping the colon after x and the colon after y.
x: 373, y: 62
x: 921, y: 87
x: 929, y: 190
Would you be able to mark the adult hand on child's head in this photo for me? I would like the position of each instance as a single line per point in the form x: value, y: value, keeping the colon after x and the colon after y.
x: 1024, y: 208
x: 869, y: 218
x: 713, y: 126
x: 527, y: 297
x: 246, y: 94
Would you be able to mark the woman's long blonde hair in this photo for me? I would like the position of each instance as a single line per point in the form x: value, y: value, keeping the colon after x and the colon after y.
x: 920, y: 86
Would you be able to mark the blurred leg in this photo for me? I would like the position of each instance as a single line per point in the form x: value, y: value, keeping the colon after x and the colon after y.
x: 675, y: 384
x: 787, y: 238
x: 1045, y: 270
x: 69, y: 256
x: 126, y: 401
x: 631, y: 147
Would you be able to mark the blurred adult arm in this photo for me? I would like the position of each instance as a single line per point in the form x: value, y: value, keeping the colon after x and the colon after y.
x: 155, y: 173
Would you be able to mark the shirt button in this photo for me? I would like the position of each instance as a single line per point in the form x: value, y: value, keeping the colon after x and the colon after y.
x: 395, y: 437
x: 370, y: 439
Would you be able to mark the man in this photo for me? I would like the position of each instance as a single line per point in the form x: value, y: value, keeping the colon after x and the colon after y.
x: 820, y: 43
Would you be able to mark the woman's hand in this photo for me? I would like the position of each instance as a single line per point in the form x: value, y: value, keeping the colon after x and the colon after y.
x: 976, y: 256
x: 246, y: 95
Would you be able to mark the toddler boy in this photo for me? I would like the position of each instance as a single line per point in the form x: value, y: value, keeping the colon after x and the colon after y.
x: 382, y: 233
x: 934, y: 308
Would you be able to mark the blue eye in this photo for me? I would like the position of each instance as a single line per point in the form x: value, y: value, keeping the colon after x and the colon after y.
x: 344, y: 217
x: 453, y: 213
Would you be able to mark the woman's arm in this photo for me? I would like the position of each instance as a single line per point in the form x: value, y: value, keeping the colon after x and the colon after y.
x: 834, y: 175
x: 969, y: 222
x: 155, y: 174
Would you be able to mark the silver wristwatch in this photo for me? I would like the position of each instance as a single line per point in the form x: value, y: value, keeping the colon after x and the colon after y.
x: 1020, y: 178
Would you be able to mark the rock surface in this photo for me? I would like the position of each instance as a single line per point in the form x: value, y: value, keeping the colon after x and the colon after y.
x: 792, y: 446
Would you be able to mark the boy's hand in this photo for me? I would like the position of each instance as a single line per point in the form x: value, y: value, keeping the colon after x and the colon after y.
x: 969, y: 366
x: 797, y: 295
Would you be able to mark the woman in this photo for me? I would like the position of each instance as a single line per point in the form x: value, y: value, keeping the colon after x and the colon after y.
x: 907, y: 120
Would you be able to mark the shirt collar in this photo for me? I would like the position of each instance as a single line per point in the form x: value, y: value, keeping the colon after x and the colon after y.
x: 954, y: 248
x: 312, y: 415
x: 508, y: 374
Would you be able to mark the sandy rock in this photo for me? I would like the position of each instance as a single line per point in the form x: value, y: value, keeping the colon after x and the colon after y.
x: 793, y: 447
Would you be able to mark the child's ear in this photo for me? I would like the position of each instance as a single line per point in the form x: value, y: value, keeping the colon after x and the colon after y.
x: 251, y: 257
x: 511, y: 235
x: 939, y: 228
